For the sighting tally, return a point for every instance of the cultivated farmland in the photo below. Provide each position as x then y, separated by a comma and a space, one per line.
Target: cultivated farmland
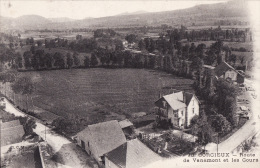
101, 93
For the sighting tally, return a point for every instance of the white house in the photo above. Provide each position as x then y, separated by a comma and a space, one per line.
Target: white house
178, 108
226, 71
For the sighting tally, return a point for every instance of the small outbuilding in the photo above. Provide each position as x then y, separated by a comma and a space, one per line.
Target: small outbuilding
127, 127
11, 132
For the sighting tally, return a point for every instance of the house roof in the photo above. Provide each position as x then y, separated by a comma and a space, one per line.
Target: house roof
10, 124
208, 66
188, 97
106, 136
173, 102
118, 155
125, 123
178, 99
223, 67
132, 154
12, 135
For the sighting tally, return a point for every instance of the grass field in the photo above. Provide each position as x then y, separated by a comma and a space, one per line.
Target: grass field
69, 36
93, 93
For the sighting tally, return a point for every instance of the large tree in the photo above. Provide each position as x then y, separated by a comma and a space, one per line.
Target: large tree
69, 60
131, 38
25, 86
76, 59
201, 128
48, 60
27, 59
197, 65
28, 124
19, 60
59, 60
220, 124
93, 60
226, 100
86, 62
141, 45
7, 77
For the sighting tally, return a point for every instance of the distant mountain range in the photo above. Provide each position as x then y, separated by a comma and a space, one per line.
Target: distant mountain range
61, 19
132, 13
206, 14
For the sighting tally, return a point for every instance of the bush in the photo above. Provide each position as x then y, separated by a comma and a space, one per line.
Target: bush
141, 123
69, 125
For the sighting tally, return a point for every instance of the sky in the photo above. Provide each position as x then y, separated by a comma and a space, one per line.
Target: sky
83, 9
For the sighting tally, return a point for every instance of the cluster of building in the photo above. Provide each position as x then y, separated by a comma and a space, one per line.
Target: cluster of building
11, 132
222, 70
106, 142
180, 107
16, 150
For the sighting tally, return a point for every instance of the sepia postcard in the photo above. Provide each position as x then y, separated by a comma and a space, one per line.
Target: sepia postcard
129, 84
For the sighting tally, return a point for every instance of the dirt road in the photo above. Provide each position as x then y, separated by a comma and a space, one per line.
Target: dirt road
67, 154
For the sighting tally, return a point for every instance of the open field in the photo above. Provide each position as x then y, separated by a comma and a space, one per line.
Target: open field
67, 35
101, 93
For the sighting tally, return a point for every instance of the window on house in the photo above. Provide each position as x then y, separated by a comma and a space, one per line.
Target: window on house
181, 113
192, 110
175, 114
164, 103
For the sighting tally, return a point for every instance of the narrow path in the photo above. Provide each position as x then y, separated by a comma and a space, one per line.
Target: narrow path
68, 153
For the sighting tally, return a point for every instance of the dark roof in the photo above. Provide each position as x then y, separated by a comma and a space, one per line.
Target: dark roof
10, 124
12, 135
132, 154
223, 67
188, 97
106, 136
118, 155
